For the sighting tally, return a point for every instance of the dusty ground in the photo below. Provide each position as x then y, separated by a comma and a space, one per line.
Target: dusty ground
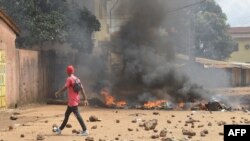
39, 120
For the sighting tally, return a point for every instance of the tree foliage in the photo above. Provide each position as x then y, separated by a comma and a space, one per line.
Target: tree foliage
212, 39
52, 21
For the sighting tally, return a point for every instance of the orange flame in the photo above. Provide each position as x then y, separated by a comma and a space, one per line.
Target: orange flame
110, 100
154, 104
121, 103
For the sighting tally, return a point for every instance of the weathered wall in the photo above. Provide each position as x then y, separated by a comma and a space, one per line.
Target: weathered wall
27, 72
34, 76
8, 37
236, 72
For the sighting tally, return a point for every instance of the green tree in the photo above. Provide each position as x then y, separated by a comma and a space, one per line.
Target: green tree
211, 36
43, 21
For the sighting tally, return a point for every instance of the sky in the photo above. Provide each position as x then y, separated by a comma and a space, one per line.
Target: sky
237, 11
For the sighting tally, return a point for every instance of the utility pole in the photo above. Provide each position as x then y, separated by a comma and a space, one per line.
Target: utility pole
110, 15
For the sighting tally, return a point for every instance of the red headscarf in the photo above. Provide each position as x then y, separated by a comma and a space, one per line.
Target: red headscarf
70, 69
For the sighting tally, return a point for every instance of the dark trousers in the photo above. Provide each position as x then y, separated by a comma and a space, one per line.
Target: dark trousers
73, 109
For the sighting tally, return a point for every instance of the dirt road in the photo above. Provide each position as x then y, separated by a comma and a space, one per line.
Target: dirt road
39, 120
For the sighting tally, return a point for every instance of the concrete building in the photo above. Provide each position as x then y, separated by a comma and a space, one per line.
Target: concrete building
8, 33
239, 73
242, 49
25, 75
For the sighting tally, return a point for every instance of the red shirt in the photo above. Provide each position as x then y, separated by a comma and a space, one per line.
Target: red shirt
73, 97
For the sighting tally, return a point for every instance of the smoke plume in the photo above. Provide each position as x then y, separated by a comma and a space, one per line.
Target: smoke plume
147, 44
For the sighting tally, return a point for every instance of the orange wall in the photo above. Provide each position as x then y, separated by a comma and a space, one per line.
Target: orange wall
8, 37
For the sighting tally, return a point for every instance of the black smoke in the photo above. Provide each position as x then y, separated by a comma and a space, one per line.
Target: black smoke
147, 44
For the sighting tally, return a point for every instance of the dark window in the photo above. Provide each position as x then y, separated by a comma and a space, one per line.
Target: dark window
243, 77
236, 47
247, 46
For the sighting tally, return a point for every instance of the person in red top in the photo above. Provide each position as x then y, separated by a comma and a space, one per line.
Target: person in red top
73, 101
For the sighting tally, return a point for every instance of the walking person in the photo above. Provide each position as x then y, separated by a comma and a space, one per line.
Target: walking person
74, 87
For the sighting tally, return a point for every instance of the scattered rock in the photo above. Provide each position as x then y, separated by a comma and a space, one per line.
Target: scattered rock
40, 137
168, 121
16, 113
202, 134
205, 131
134, 120
94, 119
46, 121
22, 135
167, 139
76, 131
156, 113
117, 121
155, 130
200, 126
188, 132
155, 136
89, 139
141, 124
11, 128
222, 134
94, 127
13, 117
68, 125
209, 124
189, 121
172, 115
151, 124
102, 140
116, 138
130, 129
220, 123
247, 121
163, 133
